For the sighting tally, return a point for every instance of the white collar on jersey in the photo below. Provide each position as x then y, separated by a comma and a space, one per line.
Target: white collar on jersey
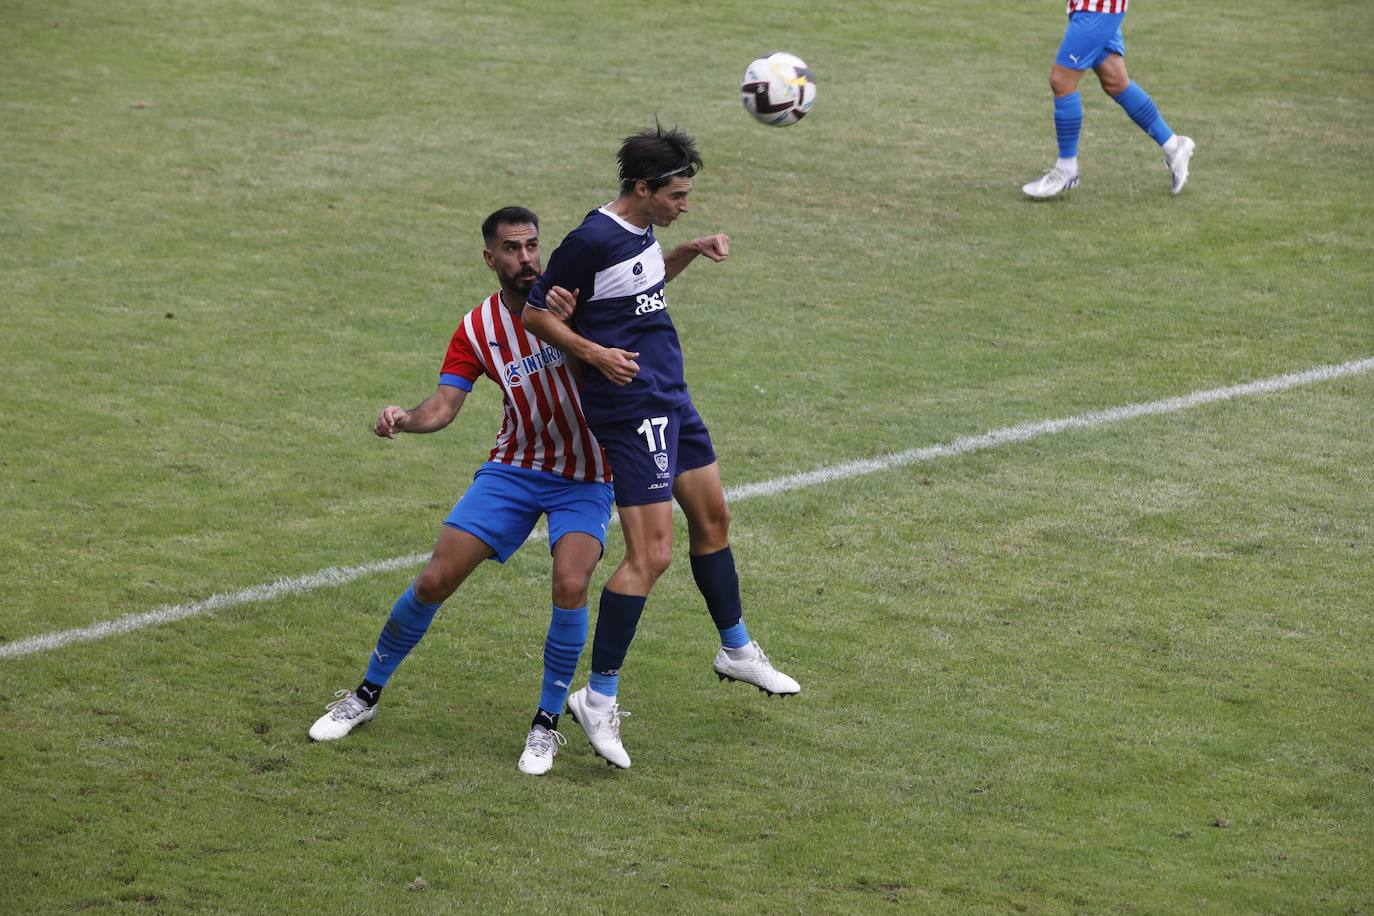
628, 227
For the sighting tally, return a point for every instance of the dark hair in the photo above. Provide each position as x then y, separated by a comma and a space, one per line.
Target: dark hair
506, 216
657, 157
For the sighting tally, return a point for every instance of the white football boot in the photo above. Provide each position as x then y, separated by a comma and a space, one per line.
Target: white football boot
541, 746
345, 713
602, 727
1178, 162
1053, 182
755, 669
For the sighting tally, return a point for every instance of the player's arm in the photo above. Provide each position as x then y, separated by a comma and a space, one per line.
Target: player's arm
617, 365
715, 247
562, 304
433, 413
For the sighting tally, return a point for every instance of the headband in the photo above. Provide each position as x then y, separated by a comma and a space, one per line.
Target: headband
682, 168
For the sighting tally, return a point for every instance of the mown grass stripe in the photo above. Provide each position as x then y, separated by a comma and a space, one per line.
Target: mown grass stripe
336, 576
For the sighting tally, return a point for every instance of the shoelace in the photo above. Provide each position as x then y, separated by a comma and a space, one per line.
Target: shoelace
542, 743
614, 723
341, 708
757, 657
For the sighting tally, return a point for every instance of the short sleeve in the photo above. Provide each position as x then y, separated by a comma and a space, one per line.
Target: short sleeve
569, 267
461, 365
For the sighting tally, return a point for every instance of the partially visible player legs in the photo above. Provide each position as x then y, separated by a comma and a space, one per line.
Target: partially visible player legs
575, 555
648, 533
1068, 126
456, 555
699, 493
1141, 109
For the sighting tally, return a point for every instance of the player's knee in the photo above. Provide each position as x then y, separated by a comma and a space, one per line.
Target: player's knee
570, 588
652, 563
1114, 86
722, 519
1060, 84
712, 527
434, 584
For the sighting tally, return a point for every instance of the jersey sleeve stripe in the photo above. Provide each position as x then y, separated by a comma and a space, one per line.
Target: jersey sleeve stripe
455, 381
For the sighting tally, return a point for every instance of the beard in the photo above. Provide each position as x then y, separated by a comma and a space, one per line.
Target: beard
521, 283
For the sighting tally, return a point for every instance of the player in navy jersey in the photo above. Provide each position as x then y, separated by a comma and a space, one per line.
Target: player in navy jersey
1093, 41
610, 271
546, 462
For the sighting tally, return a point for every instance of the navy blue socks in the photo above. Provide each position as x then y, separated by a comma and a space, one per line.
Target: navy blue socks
616, 619
719, 584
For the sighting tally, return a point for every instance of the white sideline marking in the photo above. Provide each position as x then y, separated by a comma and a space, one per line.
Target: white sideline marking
335, 576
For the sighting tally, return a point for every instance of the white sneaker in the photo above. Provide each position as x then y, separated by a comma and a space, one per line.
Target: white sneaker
345, 713
1051, 183
755, 669
541, 746
1178, 162
602, 727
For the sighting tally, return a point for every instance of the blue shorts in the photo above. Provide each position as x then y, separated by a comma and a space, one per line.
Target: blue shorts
1089, 38
647, 453
504, 502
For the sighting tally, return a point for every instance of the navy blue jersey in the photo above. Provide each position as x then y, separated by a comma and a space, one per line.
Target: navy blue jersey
618, 272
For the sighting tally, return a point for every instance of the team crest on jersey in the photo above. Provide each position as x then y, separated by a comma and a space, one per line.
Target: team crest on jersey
516, 370
661, 459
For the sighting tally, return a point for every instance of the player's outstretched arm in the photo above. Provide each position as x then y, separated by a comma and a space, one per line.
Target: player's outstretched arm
715, 247
433, 413
617, 365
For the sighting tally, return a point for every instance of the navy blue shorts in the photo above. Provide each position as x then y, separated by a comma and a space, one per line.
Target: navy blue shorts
647, 453
1089, 38
504, 502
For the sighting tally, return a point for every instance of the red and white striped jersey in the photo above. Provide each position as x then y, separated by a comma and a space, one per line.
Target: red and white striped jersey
543, 428
1097, 6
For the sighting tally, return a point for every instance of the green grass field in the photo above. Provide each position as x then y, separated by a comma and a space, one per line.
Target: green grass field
1124, 669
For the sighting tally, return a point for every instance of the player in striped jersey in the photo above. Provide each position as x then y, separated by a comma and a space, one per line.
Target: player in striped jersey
658, 445
1093, 41
545, 462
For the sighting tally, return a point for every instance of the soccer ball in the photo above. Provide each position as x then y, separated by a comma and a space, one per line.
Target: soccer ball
778, 89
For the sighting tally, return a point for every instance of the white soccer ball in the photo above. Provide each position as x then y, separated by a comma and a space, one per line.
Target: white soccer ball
778, 89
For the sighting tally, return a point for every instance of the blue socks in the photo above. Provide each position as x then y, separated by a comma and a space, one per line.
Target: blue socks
1068, 123
409, 620
616, 619
719, 585
562, 648
1137, 103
